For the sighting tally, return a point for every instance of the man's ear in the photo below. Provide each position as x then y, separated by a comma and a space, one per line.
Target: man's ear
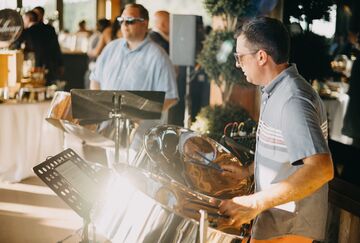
262, 57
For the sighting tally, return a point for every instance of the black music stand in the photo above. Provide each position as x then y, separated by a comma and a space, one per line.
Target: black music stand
74, 181
93, 106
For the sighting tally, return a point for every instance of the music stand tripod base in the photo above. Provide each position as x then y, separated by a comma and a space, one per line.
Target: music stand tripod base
74, 181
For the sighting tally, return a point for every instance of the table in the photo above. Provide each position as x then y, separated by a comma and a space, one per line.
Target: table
26, 139
336, 109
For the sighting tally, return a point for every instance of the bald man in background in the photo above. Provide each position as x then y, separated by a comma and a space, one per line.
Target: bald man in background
160, 32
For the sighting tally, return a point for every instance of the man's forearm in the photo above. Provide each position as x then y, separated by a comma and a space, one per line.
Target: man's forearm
316, 171
168, 103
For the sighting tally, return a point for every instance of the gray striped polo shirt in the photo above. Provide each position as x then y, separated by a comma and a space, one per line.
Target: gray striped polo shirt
292, 126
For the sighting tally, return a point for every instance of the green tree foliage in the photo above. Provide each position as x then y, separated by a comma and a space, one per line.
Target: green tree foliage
218, 61
224, 7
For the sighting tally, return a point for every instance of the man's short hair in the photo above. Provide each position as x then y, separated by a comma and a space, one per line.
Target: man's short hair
269, 35
40, 11
33, 17
142, 10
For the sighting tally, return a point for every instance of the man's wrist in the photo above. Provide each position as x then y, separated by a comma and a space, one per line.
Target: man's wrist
259, 203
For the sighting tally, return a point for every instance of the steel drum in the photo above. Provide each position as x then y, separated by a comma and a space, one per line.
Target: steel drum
60, 115
161, 144
138, 206
195, 161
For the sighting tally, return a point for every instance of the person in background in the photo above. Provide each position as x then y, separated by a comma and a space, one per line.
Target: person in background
40, 43
351, 126
30, 18
83, 31
101, 25
293, 164
116, 29
160, 32
96, 45
51, 55
134, 62
108, 32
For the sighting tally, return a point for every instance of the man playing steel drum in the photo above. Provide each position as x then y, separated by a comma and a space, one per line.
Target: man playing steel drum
292, 164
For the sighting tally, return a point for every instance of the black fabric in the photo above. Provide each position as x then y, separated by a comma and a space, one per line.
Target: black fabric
42, 40
158, 39
351, 126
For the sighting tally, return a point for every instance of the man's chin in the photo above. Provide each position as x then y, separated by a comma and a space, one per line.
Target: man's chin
249, 80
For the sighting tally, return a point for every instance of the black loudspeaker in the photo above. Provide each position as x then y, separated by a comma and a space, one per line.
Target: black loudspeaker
186, 34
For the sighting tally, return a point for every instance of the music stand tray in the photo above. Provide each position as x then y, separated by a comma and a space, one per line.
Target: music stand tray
97, 104
73, 180
120, 106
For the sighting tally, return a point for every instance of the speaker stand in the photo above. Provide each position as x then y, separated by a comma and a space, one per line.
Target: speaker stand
190, 76
187, 114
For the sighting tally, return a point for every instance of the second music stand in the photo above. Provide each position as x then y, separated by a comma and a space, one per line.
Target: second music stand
92, 106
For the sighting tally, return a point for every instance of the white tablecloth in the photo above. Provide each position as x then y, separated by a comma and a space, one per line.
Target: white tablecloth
336, 109
26, 139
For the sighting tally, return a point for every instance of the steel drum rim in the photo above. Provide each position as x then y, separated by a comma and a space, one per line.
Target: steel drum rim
63, 120
152, 176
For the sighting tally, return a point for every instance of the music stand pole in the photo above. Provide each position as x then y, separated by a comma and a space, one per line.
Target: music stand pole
85, 234
116, 115
128, 128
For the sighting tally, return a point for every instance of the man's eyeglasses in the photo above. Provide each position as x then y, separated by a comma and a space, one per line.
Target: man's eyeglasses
129, 20
238, 57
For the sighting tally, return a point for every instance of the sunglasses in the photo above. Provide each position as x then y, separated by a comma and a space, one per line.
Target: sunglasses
238, 57
129, 20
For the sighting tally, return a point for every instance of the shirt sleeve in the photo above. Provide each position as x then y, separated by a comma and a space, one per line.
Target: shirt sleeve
302, 129
97, 73
166, 78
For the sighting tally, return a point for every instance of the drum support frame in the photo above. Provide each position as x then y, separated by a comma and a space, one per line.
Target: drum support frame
120, 123
59, 173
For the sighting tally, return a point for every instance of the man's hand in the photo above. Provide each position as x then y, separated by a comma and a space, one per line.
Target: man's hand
168, 103
241, 210
94, 85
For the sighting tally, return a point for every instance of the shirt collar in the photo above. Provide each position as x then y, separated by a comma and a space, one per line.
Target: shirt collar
139, 47
271, 87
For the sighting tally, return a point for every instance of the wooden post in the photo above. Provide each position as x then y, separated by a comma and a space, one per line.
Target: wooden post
115, 8
60, 9
349, 229
4, 70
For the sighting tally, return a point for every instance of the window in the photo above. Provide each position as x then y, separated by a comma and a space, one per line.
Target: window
78, 10
8, 4
49, 6
51, 14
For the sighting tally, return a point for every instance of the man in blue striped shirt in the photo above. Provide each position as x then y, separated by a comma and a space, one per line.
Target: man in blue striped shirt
292, 163
135, 62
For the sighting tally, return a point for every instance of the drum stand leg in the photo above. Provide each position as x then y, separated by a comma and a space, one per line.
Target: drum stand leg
204, 224
84, 235
69, 236
121, 123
